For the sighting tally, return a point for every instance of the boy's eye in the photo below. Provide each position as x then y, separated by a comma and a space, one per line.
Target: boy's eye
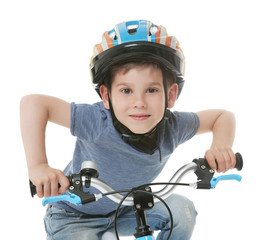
152, 90
126, 91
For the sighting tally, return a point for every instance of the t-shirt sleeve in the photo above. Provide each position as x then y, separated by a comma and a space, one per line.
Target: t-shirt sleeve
188, 126
182, 127
87, 120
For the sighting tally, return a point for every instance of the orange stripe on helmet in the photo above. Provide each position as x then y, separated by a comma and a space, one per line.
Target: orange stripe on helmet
168, 41
108, 39
158, 34
99, 48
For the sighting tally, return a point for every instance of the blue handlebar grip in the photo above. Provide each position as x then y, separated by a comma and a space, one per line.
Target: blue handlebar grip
72, 198
214, 180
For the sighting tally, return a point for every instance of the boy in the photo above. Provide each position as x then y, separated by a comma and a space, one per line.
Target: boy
138, 72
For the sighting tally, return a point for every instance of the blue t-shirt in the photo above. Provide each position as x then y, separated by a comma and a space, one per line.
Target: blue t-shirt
119, 164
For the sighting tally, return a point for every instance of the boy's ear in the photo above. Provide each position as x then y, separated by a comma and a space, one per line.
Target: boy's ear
104, 96
172, 95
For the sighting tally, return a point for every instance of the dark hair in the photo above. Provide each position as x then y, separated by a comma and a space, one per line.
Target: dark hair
127, 66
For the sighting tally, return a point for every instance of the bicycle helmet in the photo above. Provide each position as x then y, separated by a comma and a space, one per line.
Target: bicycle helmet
136, 41
133, 41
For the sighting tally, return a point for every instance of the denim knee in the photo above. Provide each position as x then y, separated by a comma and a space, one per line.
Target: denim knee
63, 225
184, 215
184, 218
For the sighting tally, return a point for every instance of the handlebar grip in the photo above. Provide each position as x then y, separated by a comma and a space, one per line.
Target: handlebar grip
33, 188
238, 165
239, 161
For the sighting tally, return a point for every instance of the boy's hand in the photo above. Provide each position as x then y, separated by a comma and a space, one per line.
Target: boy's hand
221, 159
221, 123
47, 180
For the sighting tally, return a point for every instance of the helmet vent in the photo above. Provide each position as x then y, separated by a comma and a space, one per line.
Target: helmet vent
132, 29
112, 35
153, 30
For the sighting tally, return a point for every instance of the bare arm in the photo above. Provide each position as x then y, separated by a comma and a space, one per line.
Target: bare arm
35, 112
222, 124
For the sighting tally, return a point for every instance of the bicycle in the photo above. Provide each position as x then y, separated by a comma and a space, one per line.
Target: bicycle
141, 198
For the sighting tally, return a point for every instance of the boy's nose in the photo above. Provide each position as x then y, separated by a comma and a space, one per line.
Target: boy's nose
139, 101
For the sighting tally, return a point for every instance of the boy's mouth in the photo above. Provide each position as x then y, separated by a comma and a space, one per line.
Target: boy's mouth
139, 117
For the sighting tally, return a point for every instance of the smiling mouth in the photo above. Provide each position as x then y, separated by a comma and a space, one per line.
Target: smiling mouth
140, 117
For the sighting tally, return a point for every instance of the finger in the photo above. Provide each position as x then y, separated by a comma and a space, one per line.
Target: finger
47, 189
39, 190
64, 183
54, 188
227, 160
233, 158
211, 160
221, 160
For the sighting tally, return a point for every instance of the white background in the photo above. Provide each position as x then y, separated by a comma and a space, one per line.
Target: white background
45, 47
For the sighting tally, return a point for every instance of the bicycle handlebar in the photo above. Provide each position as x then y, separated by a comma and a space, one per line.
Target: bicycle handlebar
88, 177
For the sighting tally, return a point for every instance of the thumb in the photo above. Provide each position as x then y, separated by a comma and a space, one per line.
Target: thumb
64, 183
210, 157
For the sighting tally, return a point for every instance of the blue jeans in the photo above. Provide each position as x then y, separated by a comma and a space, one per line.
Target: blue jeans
62, 225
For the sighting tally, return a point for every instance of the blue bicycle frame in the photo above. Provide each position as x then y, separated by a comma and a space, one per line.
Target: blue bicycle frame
146, 238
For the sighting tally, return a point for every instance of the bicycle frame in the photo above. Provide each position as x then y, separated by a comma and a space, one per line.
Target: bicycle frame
146, 238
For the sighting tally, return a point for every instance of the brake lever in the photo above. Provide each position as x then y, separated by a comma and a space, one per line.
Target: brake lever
75, 195
205, 174
215, 180
70, 197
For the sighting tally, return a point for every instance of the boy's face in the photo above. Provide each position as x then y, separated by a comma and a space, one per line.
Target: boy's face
138, 98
